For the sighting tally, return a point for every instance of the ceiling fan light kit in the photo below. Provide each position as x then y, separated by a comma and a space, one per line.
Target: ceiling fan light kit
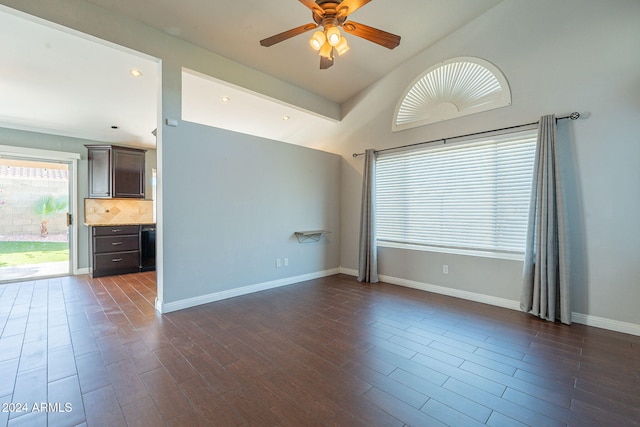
342, 46
333, 36
317, 40
326, 50
331, 15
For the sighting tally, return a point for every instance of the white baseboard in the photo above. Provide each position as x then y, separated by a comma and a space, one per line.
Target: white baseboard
349, 271
583, 319
217, 296
80, 271
457, 293
442, 290
604, 323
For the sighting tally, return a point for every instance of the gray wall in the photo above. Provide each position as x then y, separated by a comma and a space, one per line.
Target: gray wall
558, 57
231, 204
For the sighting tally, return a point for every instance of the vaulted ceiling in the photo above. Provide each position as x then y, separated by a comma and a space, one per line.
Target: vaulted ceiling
83, 95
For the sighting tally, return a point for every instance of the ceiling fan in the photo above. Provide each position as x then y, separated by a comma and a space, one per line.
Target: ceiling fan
332, 15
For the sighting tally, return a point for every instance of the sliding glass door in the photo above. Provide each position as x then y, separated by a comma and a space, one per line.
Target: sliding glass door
35, 201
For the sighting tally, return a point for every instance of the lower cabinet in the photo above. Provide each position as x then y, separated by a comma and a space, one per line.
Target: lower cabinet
115, 250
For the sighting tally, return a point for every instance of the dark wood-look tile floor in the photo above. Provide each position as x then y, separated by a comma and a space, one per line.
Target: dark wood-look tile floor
326, 352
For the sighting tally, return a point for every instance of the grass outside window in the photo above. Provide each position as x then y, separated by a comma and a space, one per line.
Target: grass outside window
19, 253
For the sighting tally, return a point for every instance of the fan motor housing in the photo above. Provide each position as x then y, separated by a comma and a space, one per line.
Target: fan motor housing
330, 13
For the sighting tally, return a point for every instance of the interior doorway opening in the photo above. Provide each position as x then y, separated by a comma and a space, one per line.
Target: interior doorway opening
35, 218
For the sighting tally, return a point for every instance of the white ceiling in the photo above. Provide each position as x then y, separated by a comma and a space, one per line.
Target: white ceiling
54, 80
248, 112
58, 81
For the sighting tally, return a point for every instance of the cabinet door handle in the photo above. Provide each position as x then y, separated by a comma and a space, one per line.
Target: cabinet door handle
116, 260
115, 230
116, 243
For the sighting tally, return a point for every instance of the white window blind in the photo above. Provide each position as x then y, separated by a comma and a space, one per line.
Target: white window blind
470, 195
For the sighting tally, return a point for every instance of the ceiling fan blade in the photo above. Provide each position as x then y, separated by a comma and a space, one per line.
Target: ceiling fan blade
270, 41
325, 62
349, 6
375, 35
313, 6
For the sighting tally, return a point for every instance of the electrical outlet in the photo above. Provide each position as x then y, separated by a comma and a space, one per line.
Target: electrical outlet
278, 263
445, 269
286, 262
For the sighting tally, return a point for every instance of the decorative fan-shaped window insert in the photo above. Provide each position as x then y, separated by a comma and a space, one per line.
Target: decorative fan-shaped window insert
453, 88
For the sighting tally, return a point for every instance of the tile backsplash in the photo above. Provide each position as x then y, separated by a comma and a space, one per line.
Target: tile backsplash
118, 211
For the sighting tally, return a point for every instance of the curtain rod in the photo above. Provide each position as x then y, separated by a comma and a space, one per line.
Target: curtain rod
572, 116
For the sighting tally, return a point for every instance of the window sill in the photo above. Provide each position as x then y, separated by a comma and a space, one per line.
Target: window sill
455, 251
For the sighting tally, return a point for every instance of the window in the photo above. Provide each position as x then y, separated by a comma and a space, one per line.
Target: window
462, 197
453, 88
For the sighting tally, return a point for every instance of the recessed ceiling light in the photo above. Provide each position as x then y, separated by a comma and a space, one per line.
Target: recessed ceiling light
135, 72
225, 99
285, 118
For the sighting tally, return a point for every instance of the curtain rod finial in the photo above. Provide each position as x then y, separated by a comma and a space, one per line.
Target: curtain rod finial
574, 116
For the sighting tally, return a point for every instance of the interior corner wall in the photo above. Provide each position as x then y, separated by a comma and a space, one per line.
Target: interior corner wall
559, 57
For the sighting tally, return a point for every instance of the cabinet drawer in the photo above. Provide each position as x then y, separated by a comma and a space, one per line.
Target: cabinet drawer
115, 230
119, 260
102, 244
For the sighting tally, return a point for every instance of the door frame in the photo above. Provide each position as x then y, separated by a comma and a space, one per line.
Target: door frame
56, 156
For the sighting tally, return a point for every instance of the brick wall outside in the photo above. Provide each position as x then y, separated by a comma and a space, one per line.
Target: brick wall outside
20, 189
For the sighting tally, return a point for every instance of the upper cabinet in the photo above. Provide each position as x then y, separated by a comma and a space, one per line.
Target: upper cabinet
116, 172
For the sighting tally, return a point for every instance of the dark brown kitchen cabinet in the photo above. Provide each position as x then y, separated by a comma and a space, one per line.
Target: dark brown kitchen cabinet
115, 250
116, 171
99, 172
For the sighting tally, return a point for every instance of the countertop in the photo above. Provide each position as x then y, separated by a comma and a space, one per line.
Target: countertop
118, 225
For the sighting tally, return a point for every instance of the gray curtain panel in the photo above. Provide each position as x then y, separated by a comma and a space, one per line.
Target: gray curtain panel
545, 281
368, 259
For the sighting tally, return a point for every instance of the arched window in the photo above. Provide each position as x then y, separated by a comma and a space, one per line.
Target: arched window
453, 88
